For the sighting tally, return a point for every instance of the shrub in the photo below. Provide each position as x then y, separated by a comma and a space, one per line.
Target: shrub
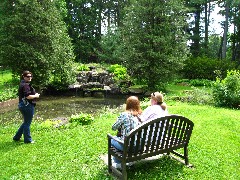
8, 91
49, 124
119, 72
82, 119
201, 82
226, 92
198, 96
82, 67
194, 82
203, 68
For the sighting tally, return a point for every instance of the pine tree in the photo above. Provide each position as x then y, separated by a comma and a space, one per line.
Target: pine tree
154, 43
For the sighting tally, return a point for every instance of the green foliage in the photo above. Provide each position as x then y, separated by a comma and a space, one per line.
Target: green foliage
153, 49
226, 92
198, 96
49, 124
84, 27
8, 86
82, 119
109, 45
194, 82
82, 67
8, 93
201, 82
204, 68
112, 68
120, 72
34, 37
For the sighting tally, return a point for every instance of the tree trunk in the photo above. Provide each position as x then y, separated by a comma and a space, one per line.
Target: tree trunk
207, 7
196, 31
224, 47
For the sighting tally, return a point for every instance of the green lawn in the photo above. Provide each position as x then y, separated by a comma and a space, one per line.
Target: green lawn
75, 153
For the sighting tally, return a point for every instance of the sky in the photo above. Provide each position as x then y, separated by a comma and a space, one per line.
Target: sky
215, 26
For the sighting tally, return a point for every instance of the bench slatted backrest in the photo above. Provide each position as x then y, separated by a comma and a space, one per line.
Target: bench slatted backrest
165, 133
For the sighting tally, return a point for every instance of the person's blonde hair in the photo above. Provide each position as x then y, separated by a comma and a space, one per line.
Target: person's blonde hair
157, 96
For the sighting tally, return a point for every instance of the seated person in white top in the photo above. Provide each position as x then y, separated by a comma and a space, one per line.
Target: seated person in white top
157, 109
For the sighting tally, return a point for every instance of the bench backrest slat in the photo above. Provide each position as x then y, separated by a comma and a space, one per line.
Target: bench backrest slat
174, 134
155, 134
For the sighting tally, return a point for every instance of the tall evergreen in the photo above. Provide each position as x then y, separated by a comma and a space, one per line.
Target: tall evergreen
34, 37
154, 42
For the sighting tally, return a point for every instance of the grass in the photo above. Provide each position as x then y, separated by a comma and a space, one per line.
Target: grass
74, 153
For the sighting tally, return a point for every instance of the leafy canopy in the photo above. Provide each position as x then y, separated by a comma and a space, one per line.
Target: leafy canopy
34, 37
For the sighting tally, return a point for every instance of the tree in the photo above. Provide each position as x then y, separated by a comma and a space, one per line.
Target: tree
86, 20
224, 46
34, 37
84, 27
195, 10
154, 41
235, 36
110, 45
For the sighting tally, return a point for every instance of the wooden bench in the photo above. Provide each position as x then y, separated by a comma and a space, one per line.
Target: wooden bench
159, 136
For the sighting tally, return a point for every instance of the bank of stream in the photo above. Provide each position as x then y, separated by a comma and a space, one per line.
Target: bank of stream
62, 107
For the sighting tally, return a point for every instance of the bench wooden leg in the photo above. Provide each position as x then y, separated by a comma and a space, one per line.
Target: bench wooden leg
124, 171
186, 155
109, 163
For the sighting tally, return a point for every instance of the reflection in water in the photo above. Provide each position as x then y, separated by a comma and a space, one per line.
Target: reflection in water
53, 107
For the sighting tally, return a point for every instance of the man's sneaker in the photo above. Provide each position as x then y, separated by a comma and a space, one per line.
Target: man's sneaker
16, 140
31, 142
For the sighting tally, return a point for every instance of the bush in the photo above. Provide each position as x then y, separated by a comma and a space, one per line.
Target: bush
8, 91
120, 72
198, 96
82, 119
226, 92
194, 82
203, 68
82, 67
8, 94
49, 124
201, 82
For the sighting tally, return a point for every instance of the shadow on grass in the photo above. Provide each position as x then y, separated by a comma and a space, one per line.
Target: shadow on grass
10, 145
163, 168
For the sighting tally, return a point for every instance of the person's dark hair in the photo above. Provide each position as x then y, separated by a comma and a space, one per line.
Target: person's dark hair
25, 73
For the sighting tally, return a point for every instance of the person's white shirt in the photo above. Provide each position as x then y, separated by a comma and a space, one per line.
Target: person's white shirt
153, 112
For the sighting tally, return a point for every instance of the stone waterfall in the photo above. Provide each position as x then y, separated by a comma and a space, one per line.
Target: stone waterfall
91, 82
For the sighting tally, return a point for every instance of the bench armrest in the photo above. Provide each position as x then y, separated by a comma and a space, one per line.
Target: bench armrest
115, 138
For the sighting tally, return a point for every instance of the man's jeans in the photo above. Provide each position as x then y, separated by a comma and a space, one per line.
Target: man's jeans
27, 112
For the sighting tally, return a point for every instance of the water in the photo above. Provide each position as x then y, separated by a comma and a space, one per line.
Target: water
55, 107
